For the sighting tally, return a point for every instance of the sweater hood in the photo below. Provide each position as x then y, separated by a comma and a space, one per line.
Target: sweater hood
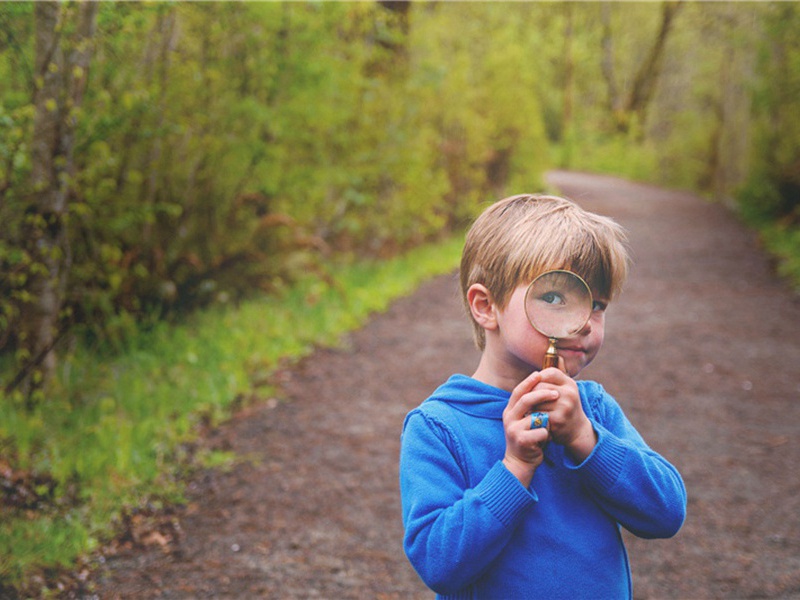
472, 397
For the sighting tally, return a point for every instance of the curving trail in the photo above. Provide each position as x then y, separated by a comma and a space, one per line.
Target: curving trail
702, 351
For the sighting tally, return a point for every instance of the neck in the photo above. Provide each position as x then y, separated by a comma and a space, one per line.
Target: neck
502, 375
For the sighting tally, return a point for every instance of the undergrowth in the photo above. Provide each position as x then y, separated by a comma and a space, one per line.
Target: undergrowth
114, 433
776, 217
782, 241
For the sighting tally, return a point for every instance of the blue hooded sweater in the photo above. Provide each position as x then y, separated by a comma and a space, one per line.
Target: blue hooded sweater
473, 531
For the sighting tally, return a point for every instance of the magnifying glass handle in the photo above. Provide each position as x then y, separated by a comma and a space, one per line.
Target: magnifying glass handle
551, 356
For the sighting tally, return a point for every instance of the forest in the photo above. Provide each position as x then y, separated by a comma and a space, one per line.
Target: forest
162, 161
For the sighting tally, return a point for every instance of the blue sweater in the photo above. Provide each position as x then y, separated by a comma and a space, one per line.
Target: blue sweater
473, 531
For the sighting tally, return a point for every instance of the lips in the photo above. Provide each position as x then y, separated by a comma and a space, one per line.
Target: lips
573, 349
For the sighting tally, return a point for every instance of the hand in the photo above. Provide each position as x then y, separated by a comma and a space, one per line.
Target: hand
525, 446
569, 425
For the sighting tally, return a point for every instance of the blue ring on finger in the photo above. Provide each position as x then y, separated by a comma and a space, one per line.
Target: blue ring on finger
539, 420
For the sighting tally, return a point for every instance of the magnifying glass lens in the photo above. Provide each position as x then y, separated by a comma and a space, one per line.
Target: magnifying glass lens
558, 303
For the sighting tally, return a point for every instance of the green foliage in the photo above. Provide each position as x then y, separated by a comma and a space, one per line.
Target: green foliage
223, 148
783, 241
770, 197
773, 187
760, 201
115, 433
483, 89
618, 155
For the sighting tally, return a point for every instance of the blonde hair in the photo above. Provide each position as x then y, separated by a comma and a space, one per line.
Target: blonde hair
520, 237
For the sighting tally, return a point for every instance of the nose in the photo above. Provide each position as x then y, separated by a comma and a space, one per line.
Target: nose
586, 329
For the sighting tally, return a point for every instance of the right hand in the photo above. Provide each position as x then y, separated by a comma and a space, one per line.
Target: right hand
525, 446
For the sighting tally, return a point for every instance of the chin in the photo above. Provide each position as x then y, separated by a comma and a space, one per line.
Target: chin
573, 370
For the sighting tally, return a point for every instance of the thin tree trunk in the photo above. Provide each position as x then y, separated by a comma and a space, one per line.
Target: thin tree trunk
624, 107
646, 78
60, 82
567, 124
607, 63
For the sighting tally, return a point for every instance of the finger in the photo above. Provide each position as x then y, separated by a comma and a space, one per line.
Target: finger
554, 376
529, 441
523, 387
562, 366
538, 400
535, 440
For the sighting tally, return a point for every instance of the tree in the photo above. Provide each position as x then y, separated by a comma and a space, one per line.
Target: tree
634, 103
63, 52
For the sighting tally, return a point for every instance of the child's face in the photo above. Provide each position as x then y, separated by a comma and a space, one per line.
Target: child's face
524, 347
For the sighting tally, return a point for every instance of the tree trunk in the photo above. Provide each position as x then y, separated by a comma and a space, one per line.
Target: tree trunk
607, 63
624, 107
60, 81
567, 122
646, 78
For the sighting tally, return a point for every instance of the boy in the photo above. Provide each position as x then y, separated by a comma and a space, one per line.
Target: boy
515, 481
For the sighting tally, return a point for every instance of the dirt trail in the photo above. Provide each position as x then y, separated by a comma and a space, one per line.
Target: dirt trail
702, 351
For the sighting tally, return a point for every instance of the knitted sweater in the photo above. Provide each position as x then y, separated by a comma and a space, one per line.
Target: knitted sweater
473, 531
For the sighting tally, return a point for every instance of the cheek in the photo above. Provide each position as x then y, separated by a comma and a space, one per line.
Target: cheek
524, 334
515, 317
598, 332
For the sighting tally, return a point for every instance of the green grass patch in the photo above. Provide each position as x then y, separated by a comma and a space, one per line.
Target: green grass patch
115, 432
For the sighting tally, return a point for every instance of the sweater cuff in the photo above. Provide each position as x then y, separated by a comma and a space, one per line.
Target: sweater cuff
504, 495
604, 464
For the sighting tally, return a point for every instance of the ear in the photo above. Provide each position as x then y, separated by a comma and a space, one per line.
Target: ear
482, 306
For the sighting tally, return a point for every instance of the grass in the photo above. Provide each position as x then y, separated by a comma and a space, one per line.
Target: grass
114, 432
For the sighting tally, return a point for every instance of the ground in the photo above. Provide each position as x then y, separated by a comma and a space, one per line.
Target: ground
701, 351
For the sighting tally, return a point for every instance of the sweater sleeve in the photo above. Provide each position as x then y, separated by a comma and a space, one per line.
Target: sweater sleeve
452, 533
630, 481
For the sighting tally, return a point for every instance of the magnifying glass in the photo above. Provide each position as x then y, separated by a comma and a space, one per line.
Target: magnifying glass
558, 304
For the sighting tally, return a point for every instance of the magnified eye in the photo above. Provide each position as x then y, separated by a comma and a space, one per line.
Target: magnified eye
559, 303
552, 298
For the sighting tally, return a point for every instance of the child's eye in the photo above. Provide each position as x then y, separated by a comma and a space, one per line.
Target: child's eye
598, 306
552, 298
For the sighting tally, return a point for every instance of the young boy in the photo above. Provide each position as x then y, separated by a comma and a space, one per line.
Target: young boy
515, 481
